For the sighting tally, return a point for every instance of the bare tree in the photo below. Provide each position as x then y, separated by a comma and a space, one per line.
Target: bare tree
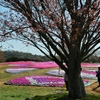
65, 29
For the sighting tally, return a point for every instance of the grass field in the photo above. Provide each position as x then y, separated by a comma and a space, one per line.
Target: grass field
11, 92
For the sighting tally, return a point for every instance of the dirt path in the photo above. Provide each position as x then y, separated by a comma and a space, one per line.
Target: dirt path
93, 88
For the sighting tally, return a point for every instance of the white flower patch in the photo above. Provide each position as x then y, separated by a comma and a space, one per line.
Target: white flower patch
84, 74
18, 70
32, 81
45, 81
88, 74
55, 72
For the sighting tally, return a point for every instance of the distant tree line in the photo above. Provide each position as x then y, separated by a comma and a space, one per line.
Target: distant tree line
93, 59
22, 56
10, 55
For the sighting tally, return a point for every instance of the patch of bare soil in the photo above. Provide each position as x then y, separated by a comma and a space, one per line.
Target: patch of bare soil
1, 83
93, 88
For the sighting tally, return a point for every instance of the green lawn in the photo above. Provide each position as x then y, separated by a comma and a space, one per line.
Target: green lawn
11, 92
62, 96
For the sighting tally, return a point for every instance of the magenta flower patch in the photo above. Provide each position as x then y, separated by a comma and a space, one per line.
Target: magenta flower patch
37, 81
90, 64
18, 81
40, 81
48, 64
31, 64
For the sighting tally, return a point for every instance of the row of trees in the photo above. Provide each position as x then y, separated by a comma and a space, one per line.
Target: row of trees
20, 56
68, 30
93, 59
6, 56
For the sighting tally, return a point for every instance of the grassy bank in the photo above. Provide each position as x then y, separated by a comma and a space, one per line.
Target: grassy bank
11, 92
62, 96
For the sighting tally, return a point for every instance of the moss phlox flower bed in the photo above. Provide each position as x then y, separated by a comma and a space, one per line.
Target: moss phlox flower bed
40, 81
32, 64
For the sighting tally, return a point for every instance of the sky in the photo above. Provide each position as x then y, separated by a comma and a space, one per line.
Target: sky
19, 46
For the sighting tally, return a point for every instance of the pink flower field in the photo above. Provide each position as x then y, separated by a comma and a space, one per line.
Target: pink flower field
37, 81
49, 64
40, 81
22, 66
90, 64
31, 64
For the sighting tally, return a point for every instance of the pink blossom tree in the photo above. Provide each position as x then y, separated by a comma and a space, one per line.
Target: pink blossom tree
68, 30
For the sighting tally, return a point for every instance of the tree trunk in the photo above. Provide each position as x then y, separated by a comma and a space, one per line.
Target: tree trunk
75, 83
76, 88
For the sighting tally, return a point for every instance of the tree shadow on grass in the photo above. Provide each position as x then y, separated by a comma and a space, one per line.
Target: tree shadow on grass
47, 97
57, 96
62, 96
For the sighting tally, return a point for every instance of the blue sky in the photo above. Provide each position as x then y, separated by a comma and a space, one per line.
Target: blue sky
19, 46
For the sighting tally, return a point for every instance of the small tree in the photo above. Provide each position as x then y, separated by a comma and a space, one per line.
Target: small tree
65, 29
2, 58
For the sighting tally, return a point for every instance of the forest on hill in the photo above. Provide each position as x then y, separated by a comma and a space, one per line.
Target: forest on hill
10, 55
22, 56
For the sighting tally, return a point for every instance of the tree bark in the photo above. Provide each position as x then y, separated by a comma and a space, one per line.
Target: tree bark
76, 85
76, 88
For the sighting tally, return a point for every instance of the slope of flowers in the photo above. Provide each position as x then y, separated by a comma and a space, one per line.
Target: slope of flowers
21, 66
49, 64
31, 64
40, 81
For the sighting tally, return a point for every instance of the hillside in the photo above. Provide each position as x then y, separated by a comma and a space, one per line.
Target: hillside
23, 56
